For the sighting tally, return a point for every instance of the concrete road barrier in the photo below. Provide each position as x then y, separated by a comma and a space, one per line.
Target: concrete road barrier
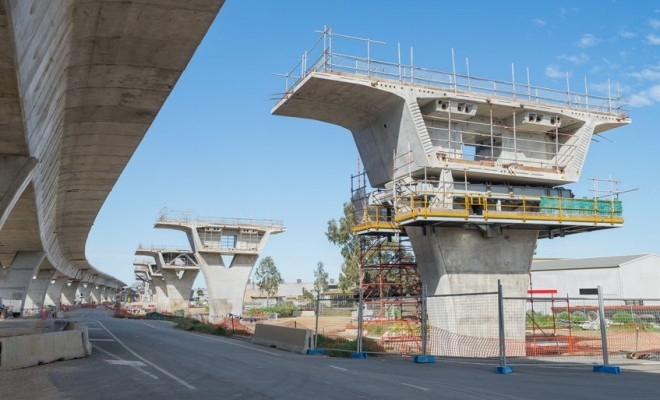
295, 340
39, 348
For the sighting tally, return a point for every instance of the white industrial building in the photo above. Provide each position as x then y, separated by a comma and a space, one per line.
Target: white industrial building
624, 277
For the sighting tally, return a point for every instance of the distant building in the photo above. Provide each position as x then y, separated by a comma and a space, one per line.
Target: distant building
630, 277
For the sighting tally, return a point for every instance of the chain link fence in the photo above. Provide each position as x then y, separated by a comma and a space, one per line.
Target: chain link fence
513, 330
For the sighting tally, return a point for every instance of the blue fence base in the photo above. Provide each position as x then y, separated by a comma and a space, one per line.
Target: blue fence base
424, 359
315, 352
503, 369
358, 355
607, 369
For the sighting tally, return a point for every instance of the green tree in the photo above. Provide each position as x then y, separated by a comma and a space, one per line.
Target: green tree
320, 279
341, 234
268, 277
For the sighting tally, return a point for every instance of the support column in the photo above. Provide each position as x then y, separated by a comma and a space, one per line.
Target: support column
15, 280
54, 291
69, 293
464, 260
95, 294
85, 291
226, 286
36, 293
179, 284
241, 239
160, 297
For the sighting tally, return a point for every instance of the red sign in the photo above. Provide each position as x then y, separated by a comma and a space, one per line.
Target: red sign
542, 291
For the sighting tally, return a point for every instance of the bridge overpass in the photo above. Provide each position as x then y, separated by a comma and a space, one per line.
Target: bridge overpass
80, 84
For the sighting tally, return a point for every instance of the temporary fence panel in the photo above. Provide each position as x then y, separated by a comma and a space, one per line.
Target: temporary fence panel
569, 329
463, 325
389, 325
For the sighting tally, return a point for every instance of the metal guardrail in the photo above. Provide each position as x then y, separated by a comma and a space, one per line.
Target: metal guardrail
549, 209
324, 56
187, 217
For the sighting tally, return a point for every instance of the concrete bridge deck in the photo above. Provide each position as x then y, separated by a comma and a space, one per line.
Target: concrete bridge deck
80, 84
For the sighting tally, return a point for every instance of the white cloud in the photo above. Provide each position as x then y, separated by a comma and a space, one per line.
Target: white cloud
576, 58
552, 71
587, 40
655, 23
647, 74
653, 39
538, 22
646, 97
627, 34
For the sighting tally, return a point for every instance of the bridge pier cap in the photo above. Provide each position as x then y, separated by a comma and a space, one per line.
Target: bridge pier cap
227, 249
469, 168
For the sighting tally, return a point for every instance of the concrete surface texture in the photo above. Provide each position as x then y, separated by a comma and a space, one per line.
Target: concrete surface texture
80, 83
435, 148
239, 240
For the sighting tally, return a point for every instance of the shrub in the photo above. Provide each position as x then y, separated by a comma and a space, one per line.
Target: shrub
340, 347
623, 317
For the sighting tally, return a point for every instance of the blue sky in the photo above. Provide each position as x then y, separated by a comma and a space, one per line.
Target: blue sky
215, 150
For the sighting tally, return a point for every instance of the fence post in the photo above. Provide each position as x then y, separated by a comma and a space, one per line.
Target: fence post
358, 353
314, 350
502, 368
316, 327
423, 358
606, 367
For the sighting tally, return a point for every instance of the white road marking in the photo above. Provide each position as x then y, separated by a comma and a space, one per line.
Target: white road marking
414, 386
151, 326
127, 362
339, 368
172, 376
132, 364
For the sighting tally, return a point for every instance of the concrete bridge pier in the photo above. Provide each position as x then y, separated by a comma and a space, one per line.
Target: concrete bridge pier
36, 293
173, 273
84, 293
54, 291
15, 280
210, 239
226, 285
95, 294
160, 294
460, 260
179, 283
68, 297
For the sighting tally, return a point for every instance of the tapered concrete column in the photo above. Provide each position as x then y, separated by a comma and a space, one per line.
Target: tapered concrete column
54, 291
95, 294
36, 293
240, 239
226, 285
160, 294
69, 293
461, 260
15, 280
85, 293
179, 284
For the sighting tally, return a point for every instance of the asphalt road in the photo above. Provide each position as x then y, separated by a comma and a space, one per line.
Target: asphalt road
135, 359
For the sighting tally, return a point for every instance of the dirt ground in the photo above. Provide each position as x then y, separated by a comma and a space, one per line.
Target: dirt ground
327, 325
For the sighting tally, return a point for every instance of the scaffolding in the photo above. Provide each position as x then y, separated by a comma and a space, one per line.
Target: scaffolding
390, 285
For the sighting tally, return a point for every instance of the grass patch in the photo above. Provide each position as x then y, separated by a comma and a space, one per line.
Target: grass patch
193, 325
340, 347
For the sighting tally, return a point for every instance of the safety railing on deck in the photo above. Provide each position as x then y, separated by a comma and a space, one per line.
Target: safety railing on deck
478, 206
336, 54
187, 217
